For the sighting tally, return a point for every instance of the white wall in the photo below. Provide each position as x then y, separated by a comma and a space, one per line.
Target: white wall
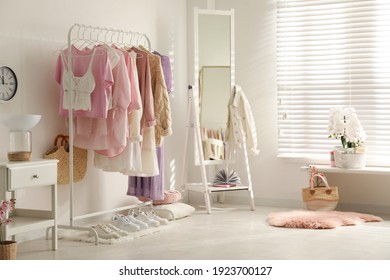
31, 35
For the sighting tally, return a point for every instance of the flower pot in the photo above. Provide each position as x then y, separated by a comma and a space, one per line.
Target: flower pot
8, 250
350, 158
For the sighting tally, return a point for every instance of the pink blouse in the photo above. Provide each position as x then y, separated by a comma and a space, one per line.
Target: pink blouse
102, 73
135, 104
144, 79
108, 136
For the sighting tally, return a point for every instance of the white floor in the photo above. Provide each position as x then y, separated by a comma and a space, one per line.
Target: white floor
229, 233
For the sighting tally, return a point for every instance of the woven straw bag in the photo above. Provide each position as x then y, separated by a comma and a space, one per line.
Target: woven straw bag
60, 151
320, 198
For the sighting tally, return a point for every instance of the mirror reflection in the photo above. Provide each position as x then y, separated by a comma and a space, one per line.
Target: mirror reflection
214, 96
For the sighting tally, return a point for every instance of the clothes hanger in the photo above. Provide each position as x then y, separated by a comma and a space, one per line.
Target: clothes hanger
80, 37
83, 41
132, 47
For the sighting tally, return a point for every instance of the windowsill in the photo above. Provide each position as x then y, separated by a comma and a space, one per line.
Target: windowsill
375, 170
324, 161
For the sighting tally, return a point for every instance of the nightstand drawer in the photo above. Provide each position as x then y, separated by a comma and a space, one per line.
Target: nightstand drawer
31, 176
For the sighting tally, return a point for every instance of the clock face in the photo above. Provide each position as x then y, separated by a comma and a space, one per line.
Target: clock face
8, 84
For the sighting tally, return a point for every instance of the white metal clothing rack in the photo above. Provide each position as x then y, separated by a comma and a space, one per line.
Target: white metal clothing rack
88, 34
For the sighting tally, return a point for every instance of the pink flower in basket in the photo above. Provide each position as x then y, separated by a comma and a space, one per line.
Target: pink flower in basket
6, 207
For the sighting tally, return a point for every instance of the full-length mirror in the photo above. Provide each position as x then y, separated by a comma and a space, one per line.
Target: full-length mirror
214, 75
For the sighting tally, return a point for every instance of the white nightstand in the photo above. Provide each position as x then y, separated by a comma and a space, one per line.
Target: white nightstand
24, 175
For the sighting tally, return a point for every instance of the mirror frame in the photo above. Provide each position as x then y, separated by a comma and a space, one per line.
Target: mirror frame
195, 87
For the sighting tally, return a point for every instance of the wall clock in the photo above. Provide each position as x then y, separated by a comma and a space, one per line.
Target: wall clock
8, 84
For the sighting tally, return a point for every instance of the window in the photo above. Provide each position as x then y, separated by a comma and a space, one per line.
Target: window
332, 53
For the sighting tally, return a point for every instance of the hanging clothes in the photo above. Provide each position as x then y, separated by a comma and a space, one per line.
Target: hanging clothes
129, 161
117, 119
145, 87
162, 105
153, 187
149, 187
166, 66
148, 120
241, 124
108, 136
124, 113
82, 89
85, 62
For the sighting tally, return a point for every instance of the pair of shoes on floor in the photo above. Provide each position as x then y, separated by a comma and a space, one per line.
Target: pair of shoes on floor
108, 231
127, 223
141, 223
153, 215
150, 218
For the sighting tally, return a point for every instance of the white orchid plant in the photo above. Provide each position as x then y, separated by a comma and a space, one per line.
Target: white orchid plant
345, 125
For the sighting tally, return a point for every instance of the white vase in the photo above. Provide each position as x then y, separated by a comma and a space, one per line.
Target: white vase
350, 158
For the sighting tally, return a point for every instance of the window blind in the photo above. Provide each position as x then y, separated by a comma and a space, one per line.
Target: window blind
332, 53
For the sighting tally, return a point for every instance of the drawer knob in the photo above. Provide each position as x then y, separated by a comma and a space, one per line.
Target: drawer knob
35, 176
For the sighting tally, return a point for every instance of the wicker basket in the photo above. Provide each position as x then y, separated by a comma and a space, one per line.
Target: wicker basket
60, 151
8, 250
350, 158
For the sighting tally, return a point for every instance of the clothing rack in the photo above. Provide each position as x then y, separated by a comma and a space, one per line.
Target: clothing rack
96, 35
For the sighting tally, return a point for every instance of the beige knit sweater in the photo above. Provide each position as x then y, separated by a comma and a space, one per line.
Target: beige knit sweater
162, 105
